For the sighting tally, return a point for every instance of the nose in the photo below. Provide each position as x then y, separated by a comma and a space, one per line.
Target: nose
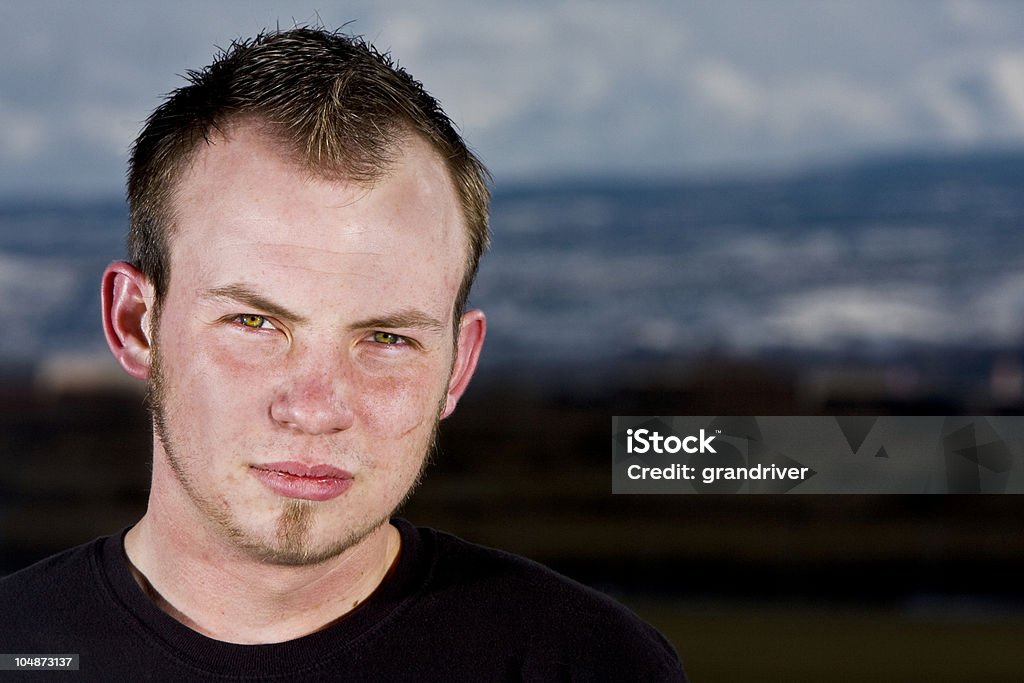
313, 405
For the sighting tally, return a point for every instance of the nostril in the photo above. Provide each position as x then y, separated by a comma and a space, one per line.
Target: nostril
311, 412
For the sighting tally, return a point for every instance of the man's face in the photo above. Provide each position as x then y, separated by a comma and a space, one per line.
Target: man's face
304, 346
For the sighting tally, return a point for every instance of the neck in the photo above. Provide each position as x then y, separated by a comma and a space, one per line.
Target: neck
200, 578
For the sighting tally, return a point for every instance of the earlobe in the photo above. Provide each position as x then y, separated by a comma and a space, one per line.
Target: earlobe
127, 311
472, 331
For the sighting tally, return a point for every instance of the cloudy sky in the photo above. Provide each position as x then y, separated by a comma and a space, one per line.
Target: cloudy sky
544, 89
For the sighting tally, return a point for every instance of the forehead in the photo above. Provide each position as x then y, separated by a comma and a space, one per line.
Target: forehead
244, 204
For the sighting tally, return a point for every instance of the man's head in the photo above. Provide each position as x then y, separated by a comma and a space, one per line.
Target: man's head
341, 108
305, 227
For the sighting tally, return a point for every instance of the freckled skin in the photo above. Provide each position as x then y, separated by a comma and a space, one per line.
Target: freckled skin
319, 391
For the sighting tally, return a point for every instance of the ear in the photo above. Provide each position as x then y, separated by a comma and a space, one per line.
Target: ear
127, 311
472, 331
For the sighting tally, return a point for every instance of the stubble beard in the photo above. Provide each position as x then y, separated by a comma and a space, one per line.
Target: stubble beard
291, 543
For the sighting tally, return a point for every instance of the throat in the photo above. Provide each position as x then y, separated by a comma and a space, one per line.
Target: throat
279, 603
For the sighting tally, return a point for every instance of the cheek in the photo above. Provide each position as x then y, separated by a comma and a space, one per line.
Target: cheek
395, 406
211, 389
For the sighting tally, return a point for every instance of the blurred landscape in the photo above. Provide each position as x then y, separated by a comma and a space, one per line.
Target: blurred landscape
892, 286
782, 207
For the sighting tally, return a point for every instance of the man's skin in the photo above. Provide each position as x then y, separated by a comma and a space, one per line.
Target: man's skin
308, 322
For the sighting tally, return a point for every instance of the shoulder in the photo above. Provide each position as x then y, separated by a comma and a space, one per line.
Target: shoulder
525, 602
51, 577
40, 600
470, 567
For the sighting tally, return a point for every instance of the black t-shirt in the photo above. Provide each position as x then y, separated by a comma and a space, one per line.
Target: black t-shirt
448, 611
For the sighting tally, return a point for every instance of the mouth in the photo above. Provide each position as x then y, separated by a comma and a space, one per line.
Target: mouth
307, 482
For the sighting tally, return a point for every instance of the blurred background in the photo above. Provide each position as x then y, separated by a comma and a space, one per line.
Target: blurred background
701, 208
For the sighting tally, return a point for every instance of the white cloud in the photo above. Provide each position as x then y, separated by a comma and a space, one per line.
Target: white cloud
22, 136
1008, 77
834, 316
728, 92
832, 103
566, 86
982, 17
108, 128
945, 106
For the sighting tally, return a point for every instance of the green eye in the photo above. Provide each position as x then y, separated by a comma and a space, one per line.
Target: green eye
386, 338
252, 320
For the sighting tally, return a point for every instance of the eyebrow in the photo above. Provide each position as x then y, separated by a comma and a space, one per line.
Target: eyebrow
248, 296
409, 318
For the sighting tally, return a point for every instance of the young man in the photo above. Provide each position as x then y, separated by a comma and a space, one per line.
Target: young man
305, 228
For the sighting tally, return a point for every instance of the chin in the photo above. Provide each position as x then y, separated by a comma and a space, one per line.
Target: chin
298, 540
